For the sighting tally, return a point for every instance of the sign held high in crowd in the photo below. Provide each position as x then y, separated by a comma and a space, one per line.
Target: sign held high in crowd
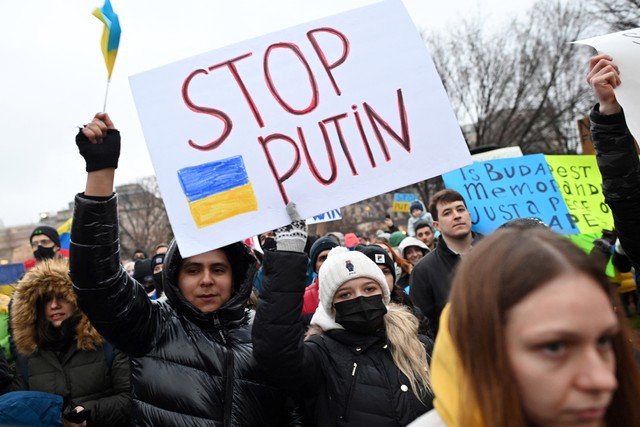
324, 114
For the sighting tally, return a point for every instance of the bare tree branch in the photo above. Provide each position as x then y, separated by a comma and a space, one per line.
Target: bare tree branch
522, 85
142, 216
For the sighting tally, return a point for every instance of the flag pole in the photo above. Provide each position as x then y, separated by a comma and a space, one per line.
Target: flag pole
106, 94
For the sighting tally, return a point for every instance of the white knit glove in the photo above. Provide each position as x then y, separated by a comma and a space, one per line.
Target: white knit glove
292, 237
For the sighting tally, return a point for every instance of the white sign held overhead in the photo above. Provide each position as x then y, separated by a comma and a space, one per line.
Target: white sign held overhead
624, 48
326, 113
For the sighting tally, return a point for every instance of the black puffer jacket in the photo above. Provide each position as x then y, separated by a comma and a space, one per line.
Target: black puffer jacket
346, 378
620, 168
187, 368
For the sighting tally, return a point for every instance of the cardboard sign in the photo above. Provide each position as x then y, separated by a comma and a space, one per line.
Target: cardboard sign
325, 113
624, 48
497, 191
580, 183
402, 201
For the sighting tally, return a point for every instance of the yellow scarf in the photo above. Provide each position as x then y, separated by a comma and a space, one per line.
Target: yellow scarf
447, 379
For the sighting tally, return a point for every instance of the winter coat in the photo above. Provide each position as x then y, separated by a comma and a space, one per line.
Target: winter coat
431, 282
188, 368
311, 298
411, 223
430, 419
80, 370
345, 378
31, 408
6, 374
620, 168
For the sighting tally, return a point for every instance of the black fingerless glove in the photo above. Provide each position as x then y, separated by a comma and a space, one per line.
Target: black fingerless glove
103, 155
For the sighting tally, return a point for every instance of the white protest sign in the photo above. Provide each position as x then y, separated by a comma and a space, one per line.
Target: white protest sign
325, 113
624, 48
498, 153
332, 215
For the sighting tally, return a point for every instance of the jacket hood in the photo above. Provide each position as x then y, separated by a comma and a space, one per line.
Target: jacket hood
412, 241
243, 267
46, 278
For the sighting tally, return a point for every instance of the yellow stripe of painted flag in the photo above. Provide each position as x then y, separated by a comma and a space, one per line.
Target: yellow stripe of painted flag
220, 206
217, 190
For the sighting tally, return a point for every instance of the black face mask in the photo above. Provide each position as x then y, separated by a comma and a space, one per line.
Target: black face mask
362, 315
269, 244
148, 283
43, 253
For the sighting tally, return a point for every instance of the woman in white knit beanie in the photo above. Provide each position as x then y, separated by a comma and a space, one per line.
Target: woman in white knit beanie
362, 362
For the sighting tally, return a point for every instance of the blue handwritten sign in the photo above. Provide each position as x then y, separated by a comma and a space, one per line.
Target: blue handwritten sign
500, 190
332, 215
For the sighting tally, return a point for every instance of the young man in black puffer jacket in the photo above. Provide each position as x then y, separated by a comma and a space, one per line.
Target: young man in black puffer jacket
191, 355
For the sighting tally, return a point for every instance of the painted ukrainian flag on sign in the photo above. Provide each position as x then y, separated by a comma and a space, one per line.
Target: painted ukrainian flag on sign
218, 190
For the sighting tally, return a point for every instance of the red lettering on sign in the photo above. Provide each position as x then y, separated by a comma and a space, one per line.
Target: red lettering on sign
312, 80
214, 112
325, 63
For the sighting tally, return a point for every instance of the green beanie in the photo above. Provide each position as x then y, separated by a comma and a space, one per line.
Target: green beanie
395, 238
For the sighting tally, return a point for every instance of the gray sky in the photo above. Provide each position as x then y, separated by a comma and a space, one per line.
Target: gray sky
53, 76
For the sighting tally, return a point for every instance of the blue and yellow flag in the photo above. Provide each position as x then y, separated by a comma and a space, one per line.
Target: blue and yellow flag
110, 34
217, 190
65, 237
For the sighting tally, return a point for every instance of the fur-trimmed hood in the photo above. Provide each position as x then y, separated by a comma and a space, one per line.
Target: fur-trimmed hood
46, 278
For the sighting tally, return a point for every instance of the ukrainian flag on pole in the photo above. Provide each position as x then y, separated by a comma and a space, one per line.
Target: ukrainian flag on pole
64, 231
218, 190
110, 34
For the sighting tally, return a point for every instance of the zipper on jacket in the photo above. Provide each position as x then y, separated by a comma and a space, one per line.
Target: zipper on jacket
227, 401
218, 325
352, 386
228, 387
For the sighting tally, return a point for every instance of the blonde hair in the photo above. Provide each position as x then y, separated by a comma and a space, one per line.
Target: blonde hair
408, 352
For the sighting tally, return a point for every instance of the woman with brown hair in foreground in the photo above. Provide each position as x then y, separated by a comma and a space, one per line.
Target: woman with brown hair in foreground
532, 337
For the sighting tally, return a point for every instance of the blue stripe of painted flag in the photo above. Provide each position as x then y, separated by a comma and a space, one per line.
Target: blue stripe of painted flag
211, 178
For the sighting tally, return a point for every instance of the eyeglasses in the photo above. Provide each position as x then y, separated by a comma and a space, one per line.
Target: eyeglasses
45, 243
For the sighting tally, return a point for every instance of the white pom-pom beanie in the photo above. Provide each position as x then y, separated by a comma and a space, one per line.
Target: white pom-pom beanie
343, 265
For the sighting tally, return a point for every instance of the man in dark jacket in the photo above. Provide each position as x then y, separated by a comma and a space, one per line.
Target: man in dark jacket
431, 277
616, 155
191, 355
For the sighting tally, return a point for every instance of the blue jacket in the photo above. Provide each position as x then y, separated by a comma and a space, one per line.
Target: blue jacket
30, 408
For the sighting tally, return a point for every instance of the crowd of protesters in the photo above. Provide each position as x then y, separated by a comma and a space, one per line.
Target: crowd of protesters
431, 324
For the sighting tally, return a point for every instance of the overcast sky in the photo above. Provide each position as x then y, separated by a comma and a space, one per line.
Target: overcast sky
53, 76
